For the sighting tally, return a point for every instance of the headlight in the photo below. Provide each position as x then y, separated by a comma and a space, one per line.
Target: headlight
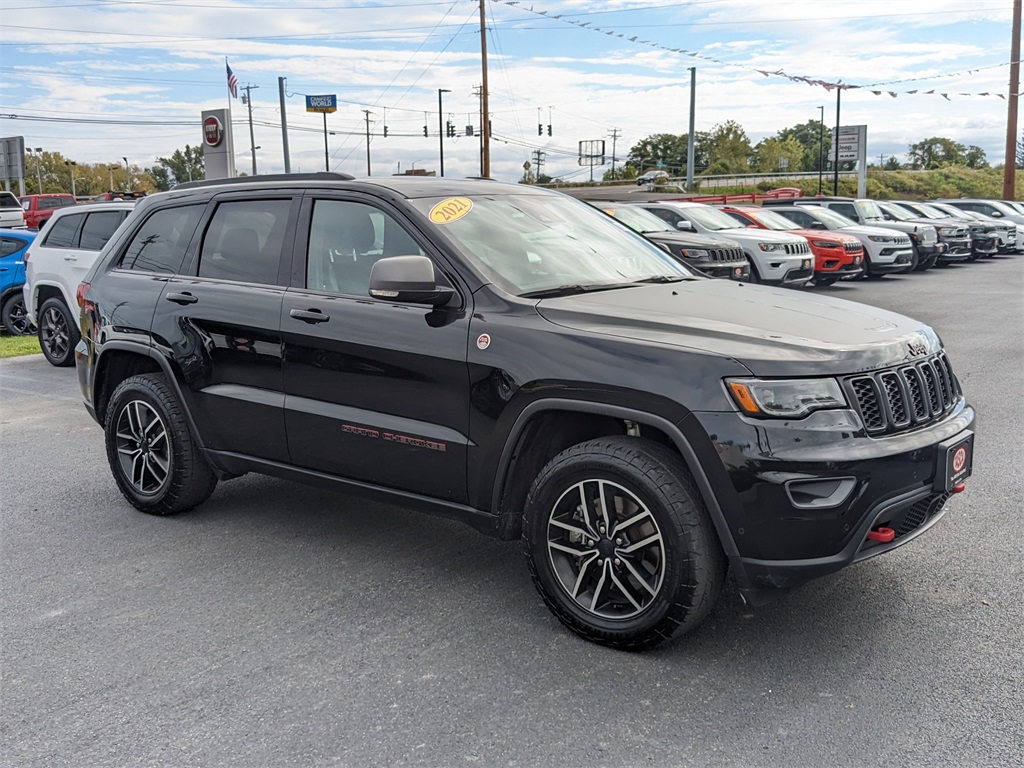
695, 253
772, 247
785, 398
824, 244
881, 239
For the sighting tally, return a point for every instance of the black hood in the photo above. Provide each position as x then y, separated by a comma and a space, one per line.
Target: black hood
772, 331
690, 239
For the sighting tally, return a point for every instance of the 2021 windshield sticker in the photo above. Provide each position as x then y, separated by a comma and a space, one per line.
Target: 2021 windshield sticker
452, 209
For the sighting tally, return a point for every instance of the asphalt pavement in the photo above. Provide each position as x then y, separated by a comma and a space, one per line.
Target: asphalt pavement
282, 625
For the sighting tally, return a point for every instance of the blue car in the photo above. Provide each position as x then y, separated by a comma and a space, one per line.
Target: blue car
13, 244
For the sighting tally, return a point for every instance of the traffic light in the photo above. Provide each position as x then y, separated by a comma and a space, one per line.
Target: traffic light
540, 129
425, 131
386, 131
549, 129
449, 129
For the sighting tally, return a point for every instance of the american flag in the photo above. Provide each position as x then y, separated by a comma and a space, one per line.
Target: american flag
232, 82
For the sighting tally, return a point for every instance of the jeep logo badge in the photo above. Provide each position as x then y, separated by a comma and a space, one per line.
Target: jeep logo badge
213, 131
917, 348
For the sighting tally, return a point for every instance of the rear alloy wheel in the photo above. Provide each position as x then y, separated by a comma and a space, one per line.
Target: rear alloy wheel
58, 333
619, 543
15, 318
155, 462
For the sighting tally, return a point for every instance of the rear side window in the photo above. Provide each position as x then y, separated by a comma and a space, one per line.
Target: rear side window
800, 218
49, 203
9, 246
244, 241
7, 200
98, 229
61, 233
847, 209
161, 242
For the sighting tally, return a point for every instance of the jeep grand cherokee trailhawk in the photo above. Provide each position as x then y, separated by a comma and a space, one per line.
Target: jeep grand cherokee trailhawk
518, 360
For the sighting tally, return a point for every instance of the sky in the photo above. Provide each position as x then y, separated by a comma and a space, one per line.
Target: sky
98, 80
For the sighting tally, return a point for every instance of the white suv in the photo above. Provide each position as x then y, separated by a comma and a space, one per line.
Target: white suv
55, 264
776, 258
12, 215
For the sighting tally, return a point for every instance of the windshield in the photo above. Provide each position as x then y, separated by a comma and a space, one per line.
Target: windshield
8, 200
896, 212
869, 210
710, 218
530, 243
773, 220
636, 218
929, 211
831, 218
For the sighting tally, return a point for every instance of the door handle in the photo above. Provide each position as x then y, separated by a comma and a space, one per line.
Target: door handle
310, 316
71, 257
181, 298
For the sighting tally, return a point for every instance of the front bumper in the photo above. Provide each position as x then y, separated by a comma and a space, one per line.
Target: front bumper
730, 270
780, 540
955, 250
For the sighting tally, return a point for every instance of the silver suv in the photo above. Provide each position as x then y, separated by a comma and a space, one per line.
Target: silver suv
12, 216
55, 264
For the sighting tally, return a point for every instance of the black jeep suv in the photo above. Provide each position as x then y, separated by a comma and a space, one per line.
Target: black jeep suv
516, 359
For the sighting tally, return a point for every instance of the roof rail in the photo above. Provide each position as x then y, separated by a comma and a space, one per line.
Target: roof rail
319, 176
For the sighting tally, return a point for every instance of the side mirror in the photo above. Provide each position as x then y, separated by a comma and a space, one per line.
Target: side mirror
408, 279
818, 225
686, 226
996, 214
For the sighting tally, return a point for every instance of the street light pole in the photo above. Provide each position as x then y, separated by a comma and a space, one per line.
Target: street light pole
128, 172
690, 154
39, 174
440, 127
71, 164
821, 145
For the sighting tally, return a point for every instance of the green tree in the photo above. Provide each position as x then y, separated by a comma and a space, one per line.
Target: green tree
728, 149
974, 157
775, 154
185, 165
666, 151
161, 176
892, 164
815, 140
936, 152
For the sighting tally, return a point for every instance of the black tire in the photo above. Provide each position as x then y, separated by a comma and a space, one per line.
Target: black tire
915, 260
754, 278
155, 462
58, 333
824, 282
640, 594
15, 318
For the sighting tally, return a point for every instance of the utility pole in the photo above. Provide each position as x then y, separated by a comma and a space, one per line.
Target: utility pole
690, 154
440, 127
485, 112
284, 126
835, 143
71, 164
247, 99
367, 113
821, 147
39, 174
538, 163
615, 138
1010, 166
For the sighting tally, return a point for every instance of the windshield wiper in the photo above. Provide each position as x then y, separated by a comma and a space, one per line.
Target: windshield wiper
573, 289
665, 279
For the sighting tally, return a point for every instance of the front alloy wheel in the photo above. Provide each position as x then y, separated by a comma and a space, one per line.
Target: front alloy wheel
58, 333
619, 543
606, 549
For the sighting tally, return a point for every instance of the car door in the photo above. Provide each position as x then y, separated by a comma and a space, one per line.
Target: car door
220, 319
375, 391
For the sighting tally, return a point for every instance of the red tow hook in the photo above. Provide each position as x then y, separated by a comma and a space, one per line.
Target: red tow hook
882, 535
958, 488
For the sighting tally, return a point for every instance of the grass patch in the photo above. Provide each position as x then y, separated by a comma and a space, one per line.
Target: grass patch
16, 346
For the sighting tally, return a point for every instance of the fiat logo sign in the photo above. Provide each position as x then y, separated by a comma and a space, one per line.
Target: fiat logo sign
213, 131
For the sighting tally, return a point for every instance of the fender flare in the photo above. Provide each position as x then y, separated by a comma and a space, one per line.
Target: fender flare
675, 434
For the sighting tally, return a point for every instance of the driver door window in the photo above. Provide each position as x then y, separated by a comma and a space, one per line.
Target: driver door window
345, 240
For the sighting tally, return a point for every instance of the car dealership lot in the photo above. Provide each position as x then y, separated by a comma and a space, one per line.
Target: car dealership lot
279, 624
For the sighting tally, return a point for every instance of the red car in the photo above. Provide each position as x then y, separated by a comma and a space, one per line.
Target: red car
836, 256
38, 208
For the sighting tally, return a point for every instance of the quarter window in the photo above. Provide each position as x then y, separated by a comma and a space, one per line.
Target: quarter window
244, 241
98, 228
160, 244
345, 240
847, 210
9, 246
61, 233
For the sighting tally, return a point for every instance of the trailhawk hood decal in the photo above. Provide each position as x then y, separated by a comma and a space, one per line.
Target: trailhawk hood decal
772, 331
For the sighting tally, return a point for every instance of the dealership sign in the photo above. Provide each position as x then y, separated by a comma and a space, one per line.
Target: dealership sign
852, 144
325, 104
213, 131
